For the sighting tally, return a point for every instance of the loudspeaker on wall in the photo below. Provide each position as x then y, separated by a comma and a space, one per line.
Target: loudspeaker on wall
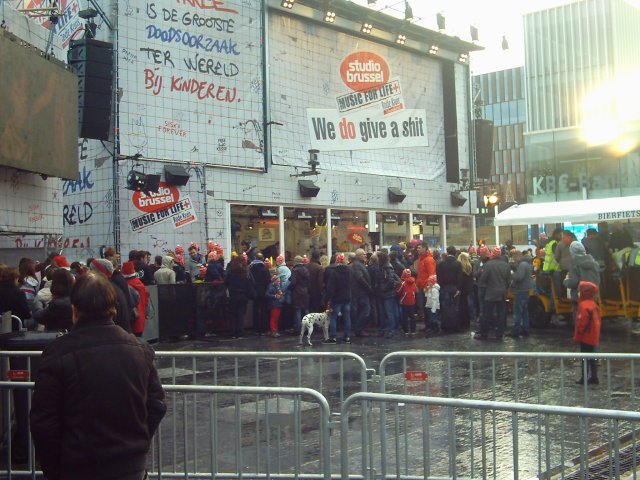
484, 147
92, 60
308, 188
176, 175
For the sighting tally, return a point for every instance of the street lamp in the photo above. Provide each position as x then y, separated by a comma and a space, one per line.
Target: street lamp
493, 200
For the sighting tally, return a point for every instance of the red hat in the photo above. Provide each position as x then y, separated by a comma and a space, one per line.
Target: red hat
212, 256
406, 273
483, 251
472, 250
340, 258
211, 246
128, 268
61, 261
496, 252
179, 249
195, 245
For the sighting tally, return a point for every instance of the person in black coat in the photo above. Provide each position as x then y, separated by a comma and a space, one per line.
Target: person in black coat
316, 282
299, 288
124, 303
57, 314
97, 400
449, 273
261, 279
11, 298
240, 291
215, 271
338, 295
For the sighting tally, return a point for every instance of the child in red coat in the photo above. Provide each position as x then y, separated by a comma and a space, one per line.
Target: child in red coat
406, 291
587, 329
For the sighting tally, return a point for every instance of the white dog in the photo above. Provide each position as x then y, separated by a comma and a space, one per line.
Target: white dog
311, 319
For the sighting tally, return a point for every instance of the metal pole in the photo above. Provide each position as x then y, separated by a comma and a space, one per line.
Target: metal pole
496, 226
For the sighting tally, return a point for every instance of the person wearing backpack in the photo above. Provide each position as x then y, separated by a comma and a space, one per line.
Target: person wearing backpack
406, 291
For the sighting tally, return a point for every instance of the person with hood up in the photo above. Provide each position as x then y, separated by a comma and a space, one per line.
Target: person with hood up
407, 298
583, 267
520, 286
165, 275
385, 288
275, 302
299, 287
432, 303
139, 317
587, 330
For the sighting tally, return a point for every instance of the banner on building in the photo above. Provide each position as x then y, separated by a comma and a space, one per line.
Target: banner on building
180, 213
366, 129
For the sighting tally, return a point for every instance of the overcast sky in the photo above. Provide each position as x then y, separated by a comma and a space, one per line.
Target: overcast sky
494, 18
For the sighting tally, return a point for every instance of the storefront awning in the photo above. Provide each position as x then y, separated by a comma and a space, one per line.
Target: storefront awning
574, 211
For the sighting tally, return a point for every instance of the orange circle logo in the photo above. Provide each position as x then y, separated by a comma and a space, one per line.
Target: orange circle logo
166, 196
364, 71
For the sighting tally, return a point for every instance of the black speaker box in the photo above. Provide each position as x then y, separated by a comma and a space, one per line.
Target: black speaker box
457, 200
175, 175
484, 147
92, 60
396, 195
308, 188
152, 184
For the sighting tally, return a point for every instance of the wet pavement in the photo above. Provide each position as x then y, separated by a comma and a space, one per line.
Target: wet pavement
284, 437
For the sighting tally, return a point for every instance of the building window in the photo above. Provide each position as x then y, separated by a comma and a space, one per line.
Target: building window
258, 226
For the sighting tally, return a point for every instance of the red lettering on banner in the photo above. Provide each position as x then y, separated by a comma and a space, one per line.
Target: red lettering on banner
217, 5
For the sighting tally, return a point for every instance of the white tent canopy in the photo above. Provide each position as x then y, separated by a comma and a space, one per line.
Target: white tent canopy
574, 211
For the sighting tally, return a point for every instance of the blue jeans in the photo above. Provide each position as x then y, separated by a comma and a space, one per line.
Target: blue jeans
520, 313
345, 308
298, 313
361, 307
389, 313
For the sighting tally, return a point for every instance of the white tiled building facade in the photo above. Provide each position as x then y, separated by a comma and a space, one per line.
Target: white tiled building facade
199, 85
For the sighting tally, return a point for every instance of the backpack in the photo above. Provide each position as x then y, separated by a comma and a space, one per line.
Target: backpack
135, 298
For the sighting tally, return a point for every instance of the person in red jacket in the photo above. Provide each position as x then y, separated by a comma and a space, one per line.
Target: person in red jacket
425, 266
587, 329
139, 318
406, 291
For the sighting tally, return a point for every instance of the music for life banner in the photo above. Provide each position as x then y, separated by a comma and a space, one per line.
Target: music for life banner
366, 129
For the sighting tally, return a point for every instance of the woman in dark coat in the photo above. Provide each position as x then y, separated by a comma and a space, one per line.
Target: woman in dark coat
299, 288
11, 298
57, 315
240, 290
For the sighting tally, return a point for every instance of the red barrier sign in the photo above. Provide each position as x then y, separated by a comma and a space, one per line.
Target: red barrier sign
415, 376
18, 374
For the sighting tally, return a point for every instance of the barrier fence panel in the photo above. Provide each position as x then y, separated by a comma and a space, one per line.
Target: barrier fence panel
336, 375
223, 432
531, 377
412, 437
251, 432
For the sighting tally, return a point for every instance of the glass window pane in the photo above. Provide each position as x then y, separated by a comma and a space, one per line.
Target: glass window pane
305, 230
258, 225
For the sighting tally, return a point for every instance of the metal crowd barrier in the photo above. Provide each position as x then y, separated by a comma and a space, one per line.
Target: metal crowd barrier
336, 375
412, 437
531, 377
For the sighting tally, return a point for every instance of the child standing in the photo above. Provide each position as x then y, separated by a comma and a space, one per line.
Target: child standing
587, 329
275, 300
406, 291
433, 305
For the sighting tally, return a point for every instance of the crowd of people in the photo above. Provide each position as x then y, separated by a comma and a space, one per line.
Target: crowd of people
389, 292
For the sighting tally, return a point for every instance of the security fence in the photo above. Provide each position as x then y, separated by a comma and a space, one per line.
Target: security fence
532, 377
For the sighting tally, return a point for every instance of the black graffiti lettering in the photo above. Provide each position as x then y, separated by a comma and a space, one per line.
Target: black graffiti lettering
159, 57
151, 11
201, 64
77, 214
83, 146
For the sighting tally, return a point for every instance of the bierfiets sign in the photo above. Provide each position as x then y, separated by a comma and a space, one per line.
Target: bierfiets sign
181, 213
